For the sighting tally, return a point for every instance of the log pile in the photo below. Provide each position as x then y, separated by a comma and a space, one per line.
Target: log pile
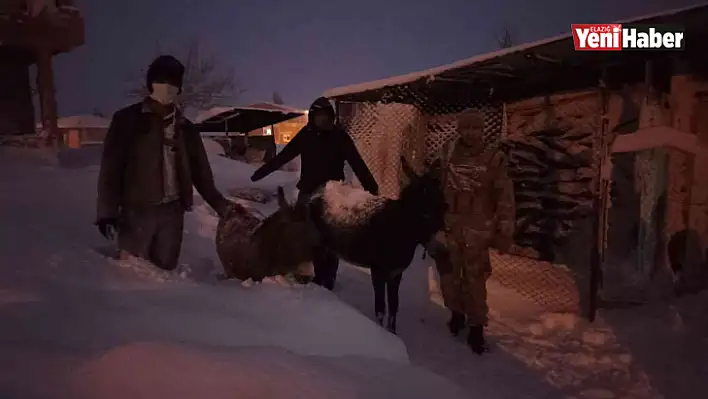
552, 174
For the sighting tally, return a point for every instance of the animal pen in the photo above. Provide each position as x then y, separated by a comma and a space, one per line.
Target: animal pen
594, 215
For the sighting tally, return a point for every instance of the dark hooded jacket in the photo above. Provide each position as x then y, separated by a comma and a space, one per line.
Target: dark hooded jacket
322, 155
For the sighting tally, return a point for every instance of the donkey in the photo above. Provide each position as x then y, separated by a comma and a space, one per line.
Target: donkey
251, 246
378, 233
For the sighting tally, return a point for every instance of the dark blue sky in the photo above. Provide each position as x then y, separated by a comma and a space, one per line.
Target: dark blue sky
303, 47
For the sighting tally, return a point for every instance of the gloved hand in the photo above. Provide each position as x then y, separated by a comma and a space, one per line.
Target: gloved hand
225, 210
257, 175
435, 248
108, 227
504, 244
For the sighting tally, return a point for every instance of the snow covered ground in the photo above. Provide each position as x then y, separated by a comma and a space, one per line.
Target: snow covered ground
76, 325
86, 327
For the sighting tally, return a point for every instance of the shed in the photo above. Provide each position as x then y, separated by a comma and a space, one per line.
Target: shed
237, 124
283, 131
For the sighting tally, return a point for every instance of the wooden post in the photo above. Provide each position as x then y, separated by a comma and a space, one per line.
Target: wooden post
683, 120
598, 226
47, 99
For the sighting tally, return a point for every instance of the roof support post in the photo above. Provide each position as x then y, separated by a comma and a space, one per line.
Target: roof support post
47, 99
600, 194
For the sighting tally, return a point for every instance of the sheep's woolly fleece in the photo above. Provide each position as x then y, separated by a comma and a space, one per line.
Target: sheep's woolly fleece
348, 206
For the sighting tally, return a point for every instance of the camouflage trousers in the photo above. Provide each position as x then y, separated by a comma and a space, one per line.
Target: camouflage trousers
464, 282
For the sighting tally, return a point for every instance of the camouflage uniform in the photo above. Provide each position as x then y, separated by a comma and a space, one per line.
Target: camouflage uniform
480, 215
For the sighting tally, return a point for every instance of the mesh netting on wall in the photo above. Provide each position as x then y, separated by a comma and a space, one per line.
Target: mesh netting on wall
419, 132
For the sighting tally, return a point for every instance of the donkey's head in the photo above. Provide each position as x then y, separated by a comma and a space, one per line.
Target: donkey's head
424, 198
294, 237
295, 212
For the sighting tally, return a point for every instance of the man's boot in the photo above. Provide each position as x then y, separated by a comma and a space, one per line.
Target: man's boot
475, 340
456, 323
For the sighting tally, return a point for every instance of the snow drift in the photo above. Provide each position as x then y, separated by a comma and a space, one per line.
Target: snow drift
76, 325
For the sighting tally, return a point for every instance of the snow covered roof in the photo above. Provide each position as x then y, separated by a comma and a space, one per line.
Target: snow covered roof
81, 122
479, 60
227, 112
279, 107
242, 119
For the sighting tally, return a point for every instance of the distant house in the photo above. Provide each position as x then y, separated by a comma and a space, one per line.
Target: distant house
283, 131
80, 130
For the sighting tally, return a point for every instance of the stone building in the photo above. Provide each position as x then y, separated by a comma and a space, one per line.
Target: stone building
605, 150
31, 33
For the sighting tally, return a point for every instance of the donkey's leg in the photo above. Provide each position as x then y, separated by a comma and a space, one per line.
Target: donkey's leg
378, 280
392, 286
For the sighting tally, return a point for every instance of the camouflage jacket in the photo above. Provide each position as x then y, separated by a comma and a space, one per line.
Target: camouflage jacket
479, 194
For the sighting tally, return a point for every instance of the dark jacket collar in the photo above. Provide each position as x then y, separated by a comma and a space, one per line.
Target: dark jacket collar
148, 107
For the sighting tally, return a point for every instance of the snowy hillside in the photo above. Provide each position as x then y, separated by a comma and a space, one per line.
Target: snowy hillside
76, 325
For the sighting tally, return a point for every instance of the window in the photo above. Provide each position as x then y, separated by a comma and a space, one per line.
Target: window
267, 131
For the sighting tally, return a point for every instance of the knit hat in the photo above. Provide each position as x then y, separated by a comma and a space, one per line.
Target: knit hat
165, 69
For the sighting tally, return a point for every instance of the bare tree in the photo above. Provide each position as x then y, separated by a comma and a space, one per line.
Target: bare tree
506, 37
277, 98
206, 81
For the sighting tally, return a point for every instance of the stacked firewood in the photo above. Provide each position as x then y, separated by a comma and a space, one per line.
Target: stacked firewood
552, 173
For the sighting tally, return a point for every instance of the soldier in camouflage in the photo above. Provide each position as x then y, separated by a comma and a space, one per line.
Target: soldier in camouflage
480, 215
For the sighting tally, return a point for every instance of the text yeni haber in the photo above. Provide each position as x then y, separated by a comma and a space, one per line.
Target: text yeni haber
618, 37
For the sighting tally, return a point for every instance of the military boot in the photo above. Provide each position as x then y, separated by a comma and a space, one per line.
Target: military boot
456, 323
475, 339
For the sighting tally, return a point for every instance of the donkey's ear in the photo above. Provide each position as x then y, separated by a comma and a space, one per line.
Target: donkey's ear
282, 202
407, 170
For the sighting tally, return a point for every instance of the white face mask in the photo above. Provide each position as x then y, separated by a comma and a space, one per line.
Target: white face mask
164, 93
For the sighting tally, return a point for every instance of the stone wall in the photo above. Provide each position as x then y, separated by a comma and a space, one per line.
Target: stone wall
552, 162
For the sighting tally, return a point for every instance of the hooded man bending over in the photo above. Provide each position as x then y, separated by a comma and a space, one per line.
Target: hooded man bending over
152, 156
323, 147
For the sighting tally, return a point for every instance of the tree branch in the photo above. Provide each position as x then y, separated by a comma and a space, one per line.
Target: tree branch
207, 82
505, 38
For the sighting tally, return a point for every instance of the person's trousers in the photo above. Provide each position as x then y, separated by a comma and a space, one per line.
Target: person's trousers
324, 261
464, 284
153, 233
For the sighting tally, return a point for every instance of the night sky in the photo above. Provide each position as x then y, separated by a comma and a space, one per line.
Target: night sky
303, 47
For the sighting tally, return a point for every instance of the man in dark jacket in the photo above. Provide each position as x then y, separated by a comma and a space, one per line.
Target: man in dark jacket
152, 157
323, 148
